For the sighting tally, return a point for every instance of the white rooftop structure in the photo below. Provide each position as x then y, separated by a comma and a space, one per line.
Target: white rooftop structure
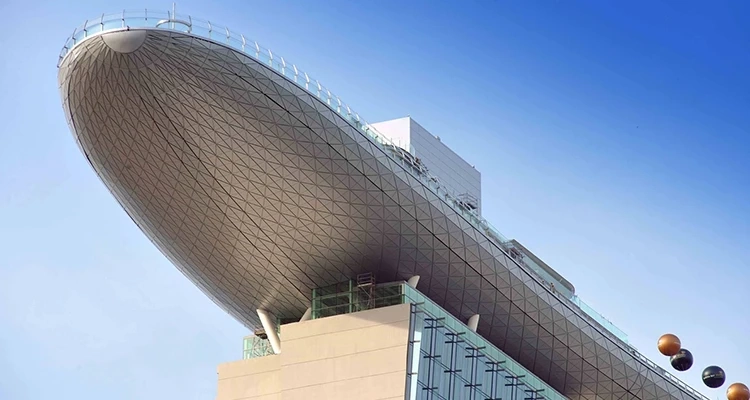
442, 162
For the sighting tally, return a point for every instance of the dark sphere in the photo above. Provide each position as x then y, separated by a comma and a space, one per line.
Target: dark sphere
682, 361
669, 344
714, 376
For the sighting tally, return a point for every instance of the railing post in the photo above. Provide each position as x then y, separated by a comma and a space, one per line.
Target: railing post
227, 29
243, 43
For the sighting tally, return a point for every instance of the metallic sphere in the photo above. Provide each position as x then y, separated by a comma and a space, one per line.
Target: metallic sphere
714, 376
682, 361
669, 344
738, 391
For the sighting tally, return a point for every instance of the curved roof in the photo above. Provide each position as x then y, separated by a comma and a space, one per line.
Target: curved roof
258, 191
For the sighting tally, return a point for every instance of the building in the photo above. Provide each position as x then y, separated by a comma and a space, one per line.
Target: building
265, 189
385, 341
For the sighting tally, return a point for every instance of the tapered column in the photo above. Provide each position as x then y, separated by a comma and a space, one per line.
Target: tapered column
269, 325
473, 322
307, 316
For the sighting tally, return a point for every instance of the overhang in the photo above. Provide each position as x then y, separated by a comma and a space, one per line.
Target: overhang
258, 191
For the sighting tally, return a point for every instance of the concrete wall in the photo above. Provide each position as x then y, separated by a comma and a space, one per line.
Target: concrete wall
257, 379
360, 355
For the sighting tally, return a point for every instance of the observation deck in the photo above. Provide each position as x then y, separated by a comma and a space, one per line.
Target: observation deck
259, 184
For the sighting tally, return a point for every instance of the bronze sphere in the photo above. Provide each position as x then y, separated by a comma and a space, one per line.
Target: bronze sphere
738, 391
669, 344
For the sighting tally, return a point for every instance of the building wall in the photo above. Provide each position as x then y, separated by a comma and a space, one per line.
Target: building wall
397, 130
452, 170
256, 379
361, 355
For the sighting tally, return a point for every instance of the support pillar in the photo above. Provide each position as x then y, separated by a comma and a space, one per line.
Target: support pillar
473, 322
307, 316
269, 325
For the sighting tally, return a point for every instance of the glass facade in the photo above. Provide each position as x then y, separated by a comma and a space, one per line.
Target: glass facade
444, 365
449, 361
349, 297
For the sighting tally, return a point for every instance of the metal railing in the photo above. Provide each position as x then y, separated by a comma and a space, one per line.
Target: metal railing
141, 19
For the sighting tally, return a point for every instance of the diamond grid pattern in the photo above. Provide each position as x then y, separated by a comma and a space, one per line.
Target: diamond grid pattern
258, 193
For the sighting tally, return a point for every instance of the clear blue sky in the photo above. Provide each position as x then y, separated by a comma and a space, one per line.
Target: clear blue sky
613, 142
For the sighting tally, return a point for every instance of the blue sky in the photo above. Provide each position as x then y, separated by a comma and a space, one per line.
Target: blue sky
613, 142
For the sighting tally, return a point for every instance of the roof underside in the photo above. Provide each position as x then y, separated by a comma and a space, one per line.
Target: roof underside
258, 192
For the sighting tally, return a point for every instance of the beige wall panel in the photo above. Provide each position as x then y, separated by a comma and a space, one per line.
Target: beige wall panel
375, 387
360, 355
343, 322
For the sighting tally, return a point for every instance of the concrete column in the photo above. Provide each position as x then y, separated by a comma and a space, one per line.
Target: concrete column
269, 325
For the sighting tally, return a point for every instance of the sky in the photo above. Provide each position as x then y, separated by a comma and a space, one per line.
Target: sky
612, 138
